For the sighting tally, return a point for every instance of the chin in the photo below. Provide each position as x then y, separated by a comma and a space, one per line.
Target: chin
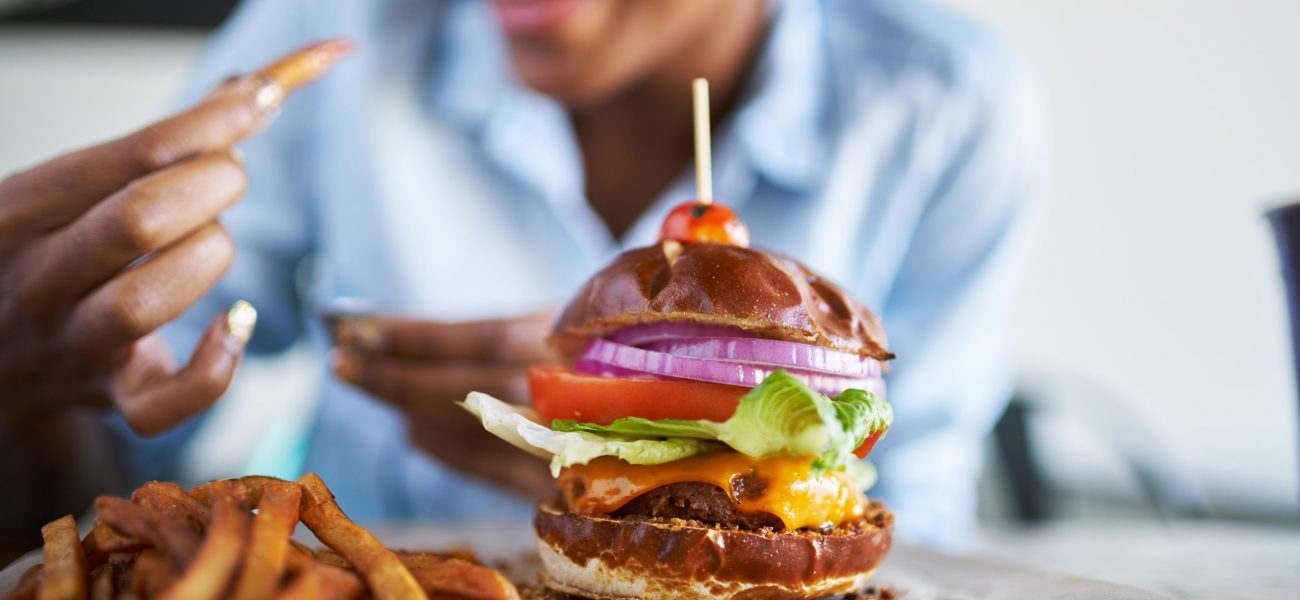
574, 86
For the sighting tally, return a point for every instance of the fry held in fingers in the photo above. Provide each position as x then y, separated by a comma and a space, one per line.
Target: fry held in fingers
299, 68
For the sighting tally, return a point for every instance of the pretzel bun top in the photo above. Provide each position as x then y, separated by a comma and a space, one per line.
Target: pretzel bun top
764, 293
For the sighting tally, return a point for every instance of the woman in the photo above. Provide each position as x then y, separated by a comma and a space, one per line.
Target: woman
476, 160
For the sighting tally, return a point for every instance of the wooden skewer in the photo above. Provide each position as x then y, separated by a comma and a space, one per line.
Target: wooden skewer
703, 147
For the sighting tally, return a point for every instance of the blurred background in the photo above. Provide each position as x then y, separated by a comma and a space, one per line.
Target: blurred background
1157, 397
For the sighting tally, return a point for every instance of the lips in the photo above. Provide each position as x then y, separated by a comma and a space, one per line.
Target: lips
531, 16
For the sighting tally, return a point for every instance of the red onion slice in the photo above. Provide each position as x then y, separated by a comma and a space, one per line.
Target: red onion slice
605, 356
585, 366
775, 353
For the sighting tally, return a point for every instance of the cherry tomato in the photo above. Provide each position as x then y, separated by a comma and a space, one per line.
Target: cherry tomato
696, 221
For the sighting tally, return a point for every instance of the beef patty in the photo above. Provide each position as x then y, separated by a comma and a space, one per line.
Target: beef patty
702, 502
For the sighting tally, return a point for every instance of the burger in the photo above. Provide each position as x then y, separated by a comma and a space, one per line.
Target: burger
708, 430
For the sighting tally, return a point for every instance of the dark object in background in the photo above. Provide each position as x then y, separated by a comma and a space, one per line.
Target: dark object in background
1034, 501
1286, 230
1166, 486
171, 13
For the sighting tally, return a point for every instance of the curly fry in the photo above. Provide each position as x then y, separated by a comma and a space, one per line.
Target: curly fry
217, 559
167, 533
268, 545
456, 578
323, 581
245, 491
101, 583
168, 498
102, 541
153, 572
27, 584
387, 576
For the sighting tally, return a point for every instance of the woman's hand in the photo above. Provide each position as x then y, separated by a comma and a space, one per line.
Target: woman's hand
101, 247
425, 367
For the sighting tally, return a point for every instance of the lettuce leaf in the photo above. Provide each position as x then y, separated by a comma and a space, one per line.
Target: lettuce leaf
780, 416
518, 425
860, 414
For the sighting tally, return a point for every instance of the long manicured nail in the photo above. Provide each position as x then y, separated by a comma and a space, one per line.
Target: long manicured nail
267, 96
240, 321
360, 334
345, 365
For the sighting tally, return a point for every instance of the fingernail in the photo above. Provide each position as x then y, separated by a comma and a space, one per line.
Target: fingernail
360, 333
345, 365
237, 155
240, 321
267, 96
672, 249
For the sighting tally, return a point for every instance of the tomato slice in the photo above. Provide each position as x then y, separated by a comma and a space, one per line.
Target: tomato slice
562, 394
868, 444
559, 393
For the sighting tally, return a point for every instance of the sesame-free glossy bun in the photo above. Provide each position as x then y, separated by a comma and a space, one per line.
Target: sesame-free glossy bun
769, 294
610, 557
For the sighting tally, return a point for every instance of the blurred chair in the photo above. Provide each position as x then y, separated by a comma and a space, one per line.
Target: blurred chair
1169, 489
1164, 485
1286, 230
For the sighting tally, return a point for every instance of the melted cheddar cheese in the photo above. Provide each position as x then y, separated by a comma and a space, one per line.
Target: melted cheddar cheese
783, 486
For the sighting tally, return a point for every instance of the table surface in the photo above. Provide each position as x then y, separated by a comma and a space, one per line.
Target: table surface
923, 574
1185, 560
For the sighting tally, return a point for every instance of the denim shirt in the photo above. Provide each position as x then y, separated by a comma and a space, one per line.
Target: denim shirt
888, 144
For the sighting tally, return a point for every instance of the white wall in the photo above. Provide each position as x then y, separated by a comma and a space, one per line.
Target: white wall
63, 87
1176, 123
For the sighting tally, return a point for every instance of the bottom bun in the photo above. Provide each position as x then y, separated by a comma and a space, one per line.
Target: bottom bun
603, 557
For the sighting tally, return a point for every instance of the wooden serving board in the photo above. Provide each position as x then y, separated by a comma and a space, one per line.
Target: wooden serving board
915, 573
